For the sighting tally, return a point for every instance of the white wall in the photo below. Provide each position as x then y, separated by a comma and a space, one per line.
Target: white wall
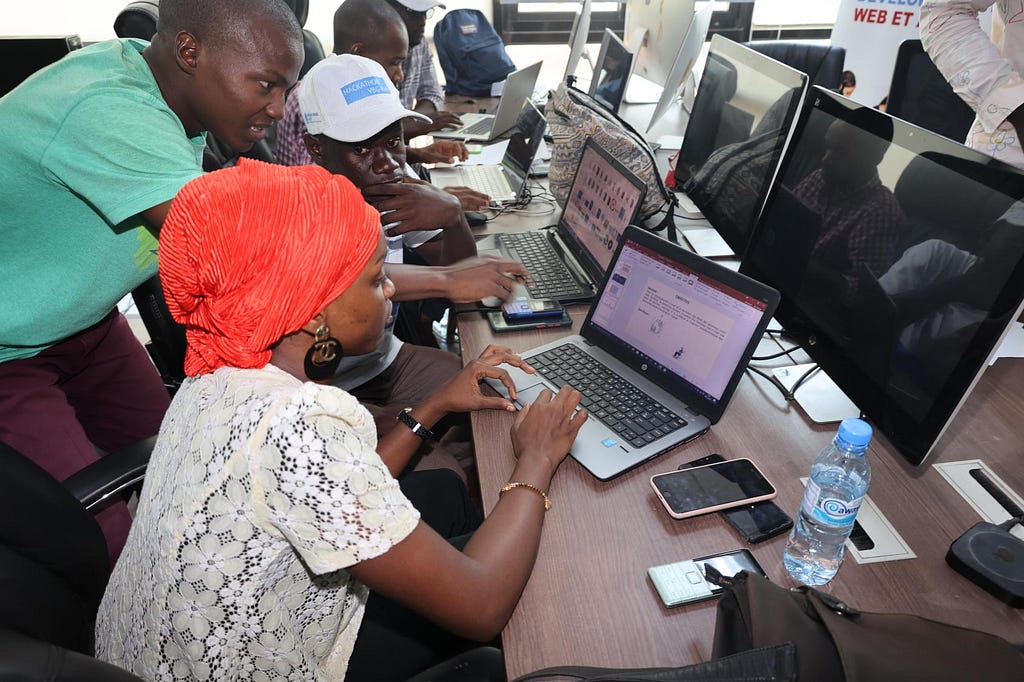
93, 20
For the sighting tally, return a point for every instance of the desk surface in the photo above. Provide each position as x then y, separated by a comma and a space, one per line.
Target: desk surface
589, 600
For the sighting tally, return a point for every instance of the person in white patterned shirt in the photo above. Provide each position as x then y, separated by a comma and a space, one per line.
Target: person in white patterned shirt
987, 73
271, 515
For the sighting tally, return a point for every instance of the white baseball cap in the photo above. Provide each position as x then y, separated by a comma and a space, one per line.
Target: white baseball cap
421, 5
350, 99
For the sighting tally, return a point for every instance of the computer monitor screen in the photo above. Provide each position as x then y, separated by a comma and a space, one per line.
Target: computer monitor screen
919, 93
654, 32
742, 115
898, 254
611, 71
23, 56
578, 39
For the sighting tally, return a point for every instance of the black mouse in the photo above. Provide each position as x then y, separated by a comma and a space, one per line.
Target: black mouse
475, 218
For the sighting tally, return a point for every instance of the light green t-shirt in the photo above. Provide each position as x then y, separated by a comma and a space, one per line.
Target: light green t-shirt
89, 143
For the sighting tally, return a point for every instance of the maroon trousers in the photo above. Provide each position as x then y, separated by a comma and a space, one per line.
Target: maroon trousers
96, 389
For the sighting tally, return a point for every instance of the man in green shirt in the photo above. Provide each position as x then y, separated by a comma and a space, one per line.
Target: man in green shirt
95, 147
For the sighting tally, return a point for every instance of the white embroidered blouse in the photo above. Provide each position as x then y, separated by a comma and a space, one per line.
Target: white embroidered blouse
260, 492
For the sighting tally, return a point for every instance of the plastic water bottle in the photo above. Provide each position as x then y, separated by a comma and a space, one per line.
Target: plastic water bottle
838, 482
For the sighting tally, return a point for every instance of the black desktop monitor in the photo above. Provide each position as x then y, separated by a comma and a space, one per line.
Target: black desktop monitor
899, 255
611, 71
920, 94
23, 56
743, 112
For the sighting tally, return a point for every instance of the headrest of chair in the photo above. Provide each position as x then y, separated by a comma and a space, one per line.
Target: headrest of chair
301, 9
138, 20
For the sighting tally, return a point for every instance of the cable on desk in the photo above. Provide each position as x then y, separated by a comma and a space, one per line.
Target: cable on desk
788, 394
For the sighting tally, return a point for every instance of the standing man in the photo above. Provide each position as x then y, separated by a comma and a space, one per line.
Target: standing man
94, 149
987, 73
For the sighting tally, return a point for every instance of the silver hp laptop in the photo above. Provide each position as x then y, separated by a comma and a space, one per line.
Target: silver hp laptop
659, 356
486, 127
504, 182
567, 262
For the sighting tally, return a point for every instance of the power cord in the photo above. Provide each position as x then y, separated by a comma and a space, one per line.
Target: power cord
788, 393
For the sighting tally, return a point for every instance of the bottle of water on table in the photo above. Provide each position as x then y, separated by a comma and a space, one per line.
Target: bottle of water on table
838, 482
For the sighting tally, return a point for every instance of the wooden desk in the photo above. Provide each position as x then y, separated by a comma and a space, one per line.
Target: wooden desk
589, 600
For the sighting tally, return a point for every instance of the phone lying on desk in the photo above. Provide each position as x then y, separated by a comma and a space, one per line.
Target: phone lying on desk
683, 582
756, 522
522, 309
499, 324
711, 487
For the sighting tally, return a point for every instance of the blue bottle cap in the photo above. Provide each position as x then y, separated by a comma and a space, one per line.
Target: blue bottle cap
856, 432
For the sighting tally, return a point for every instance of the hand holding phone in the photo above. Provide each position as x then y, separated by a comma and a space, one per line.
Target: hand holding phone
711, 487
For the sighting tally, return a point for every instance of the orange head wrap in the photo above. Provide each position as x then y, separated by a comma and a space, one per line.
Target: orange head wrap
250, 254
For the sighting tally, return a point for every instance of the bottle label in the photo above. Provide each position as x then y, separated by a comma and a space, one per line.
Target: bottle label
829, 510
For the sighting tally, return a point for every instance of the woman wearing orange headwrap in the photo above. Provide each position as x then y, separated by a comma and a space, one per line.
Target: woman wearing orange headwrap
268, 510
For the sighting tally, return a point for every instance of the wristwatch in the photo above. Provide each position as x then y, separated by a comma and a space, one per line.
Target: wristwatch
405, 416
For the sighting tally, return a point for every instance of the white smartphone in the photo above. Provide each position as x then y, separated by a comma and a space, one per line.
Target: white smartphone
712, 487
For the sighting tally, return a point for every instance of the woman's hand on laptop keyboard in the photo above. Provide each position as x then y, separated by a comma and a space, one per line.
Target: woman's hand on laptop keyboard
463, 393
545, 429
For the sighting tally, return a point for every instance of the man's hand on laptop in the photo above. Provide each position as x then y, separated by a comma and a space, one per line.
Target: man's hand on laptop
440, 151
438, 121
473, 279
470, 199
415, 205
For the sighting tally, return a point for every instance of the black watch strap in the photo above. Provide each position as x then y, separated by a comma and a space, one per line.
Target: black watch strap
420, 430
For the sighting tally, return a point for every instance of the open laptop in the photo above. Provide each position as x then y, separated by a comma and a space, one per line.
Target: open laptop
567, 262
486, 127
658, 358
504, 182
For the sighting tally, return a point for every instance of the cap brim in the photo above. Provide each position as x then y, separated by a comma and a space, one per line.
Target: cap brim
364, 130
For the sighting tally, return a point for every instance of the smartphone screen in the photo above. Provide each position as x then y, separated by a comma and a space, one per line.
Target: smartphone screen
500, 324
527, 309
712, 487
758, 521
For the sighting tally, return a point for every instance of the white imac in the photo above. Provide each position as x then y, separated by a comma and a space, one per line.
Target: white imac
655, 30
682, 65
578, 40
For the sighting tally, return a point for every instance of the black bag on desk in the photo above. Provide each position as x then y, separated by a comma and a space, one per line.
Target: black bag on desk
573, 117
771, 664
836, 642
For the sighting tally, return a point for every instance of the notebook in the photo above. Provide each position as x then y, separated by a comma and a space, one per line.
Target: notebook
662, 349
566, 262
486, 127
504, 182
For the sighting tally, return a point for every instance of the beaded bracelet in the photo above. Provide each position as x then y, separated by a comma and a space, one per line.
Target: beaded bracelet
516, 484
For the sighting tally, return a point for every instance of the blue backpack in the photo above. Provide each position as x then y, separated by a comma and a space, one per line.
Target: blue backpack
471, 53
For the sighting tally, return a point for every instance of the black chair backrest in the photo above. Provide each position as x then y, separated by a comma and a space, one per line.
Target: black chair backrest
166, 337
920, 94
823, 64
53, 557
312, 46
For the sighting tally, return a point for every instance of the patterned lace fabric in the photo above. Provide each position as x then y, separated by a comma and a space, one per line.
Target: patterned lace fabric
260, 492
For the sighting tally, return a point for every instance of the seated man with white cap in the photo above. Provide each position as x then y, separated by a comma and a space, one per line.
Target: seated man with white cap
354, 121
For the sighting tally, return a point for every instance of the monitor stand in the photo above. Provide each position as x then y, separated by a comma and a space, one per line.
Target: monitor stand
819, 397
639, 90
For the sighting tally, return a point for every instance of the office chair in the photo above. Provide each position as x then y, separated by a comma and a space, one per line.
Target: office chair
311, 45
54, 565
167, 342
823, 64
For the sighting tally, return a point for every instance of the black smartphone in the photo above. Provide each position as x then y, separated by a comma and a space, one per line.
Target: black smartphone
522, 309
711, 487
756, 522
500, 324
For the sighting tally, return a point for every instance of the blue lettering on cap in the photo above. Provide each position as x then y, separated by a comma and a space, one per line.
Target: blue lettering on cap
363, 88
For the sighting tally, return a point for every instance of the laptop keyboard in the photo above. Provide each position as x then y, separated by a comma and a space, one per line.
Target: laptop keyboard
636, 417
490, 180
550, 278
481, 127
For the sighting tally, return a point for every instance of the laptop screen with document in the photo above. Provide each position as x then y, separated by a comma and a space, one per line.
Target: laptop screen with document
676, 319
